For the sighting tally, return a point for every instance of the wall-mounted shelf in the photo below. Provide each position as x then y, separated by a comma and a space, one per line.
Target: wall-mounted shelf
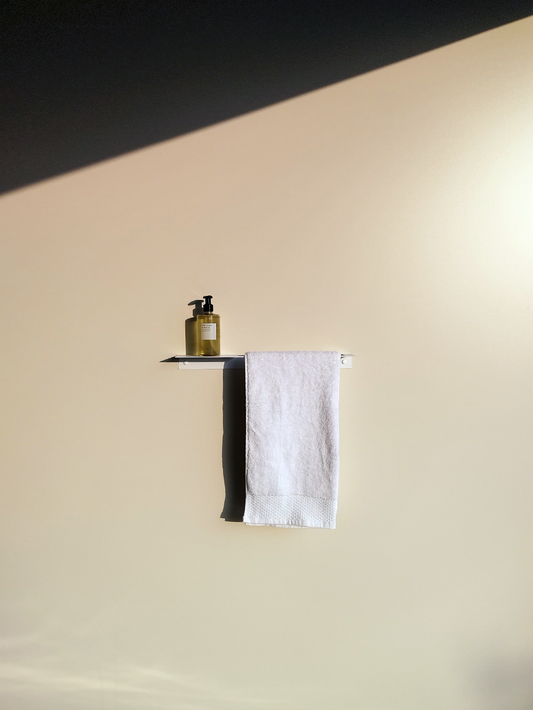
228, 362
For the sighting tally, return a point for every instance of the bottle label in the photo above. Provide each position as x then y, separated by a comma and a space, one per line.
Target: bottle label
209, 331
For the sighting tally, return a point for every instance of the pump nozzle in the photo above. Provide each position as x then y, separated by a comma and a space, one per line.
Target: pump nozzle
208, 306
198, 308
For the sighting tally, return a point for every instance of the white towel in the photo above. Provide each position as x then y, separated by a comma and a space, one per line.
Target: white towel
292, 438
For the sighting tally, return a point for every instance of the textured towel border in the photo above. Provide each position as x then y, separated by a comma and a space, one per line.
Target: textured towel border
290, 511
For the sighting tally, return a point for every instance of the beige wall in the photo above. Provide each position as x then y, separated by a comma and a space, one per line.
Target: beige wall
390, 216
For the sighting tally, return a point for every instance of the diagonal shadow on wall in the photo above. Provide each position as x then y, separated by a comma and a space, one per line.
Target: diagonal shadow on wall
81, 82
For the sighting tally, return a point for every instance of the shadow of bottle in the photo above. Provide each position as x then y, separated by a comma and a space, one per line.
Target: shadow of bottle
191, 329
233, 443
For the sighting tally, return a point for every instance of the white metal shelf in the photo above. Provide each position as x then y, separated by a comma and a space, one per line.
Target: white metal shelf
228, 362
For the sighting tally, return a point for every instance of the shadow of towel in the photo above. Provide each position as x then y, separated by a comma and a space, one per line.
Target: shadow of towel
233, 443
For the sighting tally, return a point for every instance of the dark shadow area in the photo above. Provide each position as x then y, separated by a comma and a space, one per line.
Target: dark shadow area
84, 81
233, 443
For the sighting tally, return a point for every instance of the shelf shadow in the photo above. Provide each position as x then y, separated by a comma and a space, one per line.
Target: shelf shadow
233, 443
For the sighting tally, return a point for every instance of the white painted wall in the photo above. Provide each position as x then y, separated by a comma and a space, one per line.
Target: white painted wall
390, 216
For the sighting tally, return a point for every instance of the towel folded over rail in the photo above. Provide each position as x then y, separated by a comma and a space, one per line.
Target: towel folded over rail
292, 438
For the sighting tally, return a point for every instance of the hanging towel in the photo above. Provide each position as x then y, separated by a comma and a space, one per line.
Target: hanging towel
292, 438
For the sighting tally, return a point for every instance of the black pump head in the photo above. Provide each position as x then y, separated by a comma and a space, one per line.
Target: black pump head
198, 307
208, 306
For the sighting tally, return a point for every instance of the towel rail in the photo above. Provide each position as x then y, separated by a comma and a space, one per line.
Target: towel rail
229, 362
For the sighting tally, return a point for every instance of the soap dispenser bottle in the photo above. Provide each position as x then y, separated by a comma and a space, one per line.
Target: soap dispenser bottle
208, 330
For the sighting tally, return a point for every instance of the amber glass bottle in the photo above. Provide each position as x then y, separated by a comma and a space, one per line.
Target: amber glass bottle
208, 330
